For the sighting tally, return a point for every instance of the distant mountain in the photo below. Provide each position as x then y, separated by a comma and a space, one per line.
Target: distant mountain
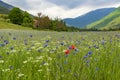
3, 10
3, 4
88, 18
111, 21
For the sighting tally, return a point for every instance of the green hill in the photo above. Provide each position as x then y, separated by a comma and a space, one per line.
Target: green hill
3, 10
6, 25
111, 21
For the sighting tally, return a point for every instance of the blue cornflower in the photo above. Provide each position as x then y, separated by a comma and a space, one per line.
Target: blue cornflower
38, 50
103, 42
1, 37
90, 53
95, 46
14, 38
11, 67
76, 50
96, 68
85, 56
31, 36
7, 53
68, 70
6, 41
47, 41
62, 43
45, 45
65, 62
87, 61
25, 42
11, 48
43, 63
0, 56
75, 74
9, 34
2, 45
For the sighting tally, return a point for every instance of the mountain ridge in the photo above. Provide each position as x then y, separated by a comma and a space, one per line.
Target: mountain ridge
110, 21
6, 5
88, 18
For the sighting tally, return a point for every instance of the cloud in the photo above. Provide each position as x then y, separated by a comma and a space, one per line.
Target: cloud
77, 3
62, 8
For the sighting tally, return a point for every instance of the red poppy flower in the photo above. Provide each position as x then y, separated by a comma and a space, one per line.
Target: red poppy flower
72, 47
67, 51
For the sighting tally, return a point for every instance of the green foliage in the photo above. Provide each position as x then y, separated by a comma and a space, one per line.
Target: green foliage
44, 22
27, 20
16, 16
4, 18
58, 25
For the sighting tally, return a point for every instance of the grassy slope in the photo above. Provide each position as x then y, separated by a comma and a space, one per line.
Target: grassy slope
5, 25
107, 21
3, 10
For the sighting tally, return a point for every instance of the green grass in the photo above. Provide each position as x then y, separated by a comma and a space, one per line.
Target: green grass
39, 55
6, 25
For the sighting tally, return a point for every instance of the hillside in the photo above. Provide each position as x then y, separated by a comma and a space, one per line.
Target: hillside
88, 18
3, 4
111, 21
6, 25
3, 10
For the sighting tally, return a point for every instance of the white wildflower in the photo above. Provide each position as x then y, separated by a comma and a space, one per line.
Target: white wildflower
20, 75
6, 70
49, 58
33, 47
28, 53
25, 62
30, 58
1, 61
48, 69
40, 70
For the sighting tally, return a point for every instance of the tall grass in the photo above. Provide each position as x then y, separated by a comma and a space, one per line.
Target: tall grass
33, 55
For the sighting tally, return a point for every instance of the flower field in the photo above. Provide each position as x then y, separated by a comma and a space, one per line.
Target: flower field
44, 55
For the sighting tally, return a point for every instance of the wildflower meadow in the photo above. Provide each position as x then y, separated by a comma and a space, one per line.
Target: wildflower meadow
44, 55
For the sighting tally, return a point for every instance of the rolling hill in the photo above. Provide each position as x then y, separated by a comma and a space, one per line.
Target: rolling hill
6, 25
4, 7
3, 10
88, 18
111, 21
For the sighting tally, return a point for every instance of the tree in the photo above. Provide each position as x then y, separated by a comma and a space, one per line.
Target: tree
27, 20
16, 16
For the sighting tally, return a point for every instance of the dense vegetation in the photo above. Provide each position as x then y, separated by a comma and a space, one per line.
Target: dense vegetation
44, 55
40, 22
110, 22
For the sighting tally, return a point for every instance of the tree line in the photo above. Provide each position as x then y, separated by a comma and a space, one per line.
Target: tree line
40, 22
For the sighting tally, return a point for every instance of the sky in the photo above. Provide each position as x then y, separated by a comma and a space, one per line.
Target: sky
62, 8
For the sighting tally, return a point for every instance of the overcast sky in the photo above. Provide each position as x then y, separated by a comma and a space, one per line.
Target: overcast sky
62, 8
